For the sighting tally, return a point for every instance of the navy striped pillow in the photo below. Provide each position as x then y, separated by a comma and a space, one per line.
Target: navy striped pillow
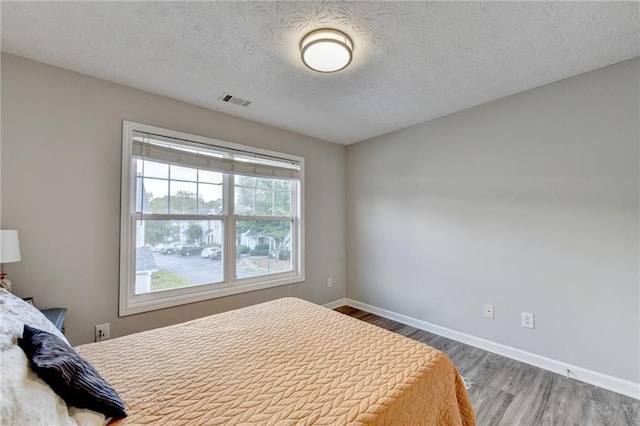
68, 374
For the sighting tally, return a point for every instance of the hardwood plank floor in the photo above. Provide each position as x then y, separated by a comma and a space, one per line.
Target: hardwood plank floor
508, 392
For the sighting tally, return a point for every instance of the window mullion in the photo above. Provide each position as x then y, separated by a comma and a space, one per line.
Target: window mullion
255, 195
230, 228
295, 232
169, 190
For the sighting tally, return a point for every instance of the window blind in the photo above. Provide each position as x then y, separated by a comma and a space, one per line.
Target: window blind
207, 157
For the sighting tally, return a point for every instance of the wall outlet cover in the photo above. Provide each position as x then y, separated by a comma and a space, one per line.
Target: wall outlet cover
489, 312
528, 320
102, 332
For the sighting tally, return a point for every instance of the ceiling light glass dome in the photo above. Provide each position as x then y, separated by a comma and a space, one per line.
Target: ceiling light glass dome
326, 50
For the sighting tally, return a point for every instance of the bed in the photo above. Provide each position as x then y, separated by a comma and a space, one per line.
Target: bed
286, 362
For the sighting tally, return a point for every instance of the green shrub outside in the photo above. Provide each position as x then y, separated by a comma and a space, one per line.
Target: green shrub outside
255, 252
284, 255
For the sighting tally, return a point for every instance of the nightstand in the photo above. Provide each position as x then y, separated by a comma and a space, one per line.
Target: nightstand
56, 316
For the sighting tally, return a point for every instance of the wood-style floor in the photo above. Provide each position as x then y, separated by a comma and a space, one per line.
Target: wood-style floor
508, 392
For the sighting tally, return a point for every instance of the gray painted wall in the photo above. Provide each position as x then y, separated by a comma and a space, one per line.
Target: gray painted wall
61, 144
529, 203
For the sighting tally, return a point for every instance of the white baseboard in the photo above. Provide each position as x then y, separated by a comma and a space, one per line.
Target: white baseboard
615, 384
335, 304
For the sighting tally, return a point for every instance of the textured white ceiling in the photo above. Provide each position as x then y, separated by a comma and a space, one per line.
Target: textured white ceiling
413, 61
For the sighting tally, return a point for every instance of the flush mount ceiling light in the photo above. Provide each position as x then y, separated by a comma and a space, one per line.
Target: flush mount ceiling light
326, 50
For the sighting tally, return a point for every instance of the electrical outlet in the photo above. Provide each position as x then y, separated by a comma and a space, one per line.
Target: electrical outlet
528, 320
329, 282
102, 332
488, 312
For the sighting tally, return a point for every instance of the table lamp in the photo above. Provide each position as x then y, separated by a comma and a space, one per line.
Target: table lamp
9, 252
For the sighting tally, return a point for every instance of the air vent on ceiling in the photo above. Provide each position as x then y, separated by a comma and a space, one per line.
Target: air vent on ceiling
235, 100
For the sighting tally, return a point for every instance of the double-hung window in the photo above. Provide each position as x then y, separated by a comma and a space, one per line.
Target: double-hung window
203, 218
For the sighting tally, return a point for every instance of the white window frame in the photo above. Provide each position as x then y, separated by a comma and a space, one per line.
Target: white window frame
130, 303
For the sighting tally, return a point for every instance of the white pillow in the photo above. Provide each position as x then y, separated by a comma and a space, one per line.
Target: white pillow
15, 313
25, 399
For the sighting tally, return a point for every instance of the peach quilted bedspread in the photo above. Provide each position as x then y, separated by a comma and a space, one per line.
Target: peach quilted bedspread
285, 362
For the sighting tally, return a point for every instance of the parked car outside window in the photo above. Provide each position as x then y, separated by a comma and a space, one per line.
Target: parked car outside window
211, 253
189, 249
171, 248
158, 247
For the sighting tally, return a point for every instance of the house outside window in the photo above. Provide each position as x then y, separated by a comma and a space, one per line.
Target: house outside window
203, 218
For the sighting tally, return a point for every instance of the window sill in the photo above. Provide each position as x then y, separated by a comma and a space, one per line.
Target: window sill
161, 300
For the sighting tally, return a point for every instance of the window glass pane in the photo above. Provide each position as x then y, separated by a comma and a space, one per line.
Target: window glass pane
210, 198
157, 196
184, 173
282, 185
209, 177
245, 200
245, 181
177, 253
282, 203
153, 169
263, 247
183, 197
263, 200
264, 183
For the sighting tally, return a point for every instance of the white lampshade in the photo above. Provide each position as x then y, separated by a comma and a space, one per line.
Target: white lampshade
326, 50
9, 246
